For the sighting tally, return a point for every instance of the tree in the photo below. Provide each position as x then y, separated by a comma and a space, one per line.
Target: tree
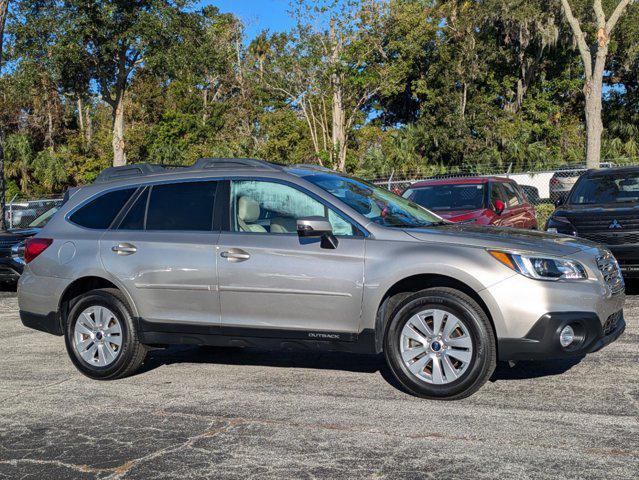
329, 68
116, 39
593, 57
4, 7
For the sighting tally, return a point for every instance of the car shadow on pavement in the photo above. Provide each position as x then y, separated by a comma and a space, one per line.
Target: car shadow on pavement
329, 361
540, 368
265, 358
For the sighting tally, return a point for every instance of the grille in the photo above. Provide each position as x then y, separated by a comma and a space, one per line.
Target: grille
609, 268
612, 238
611, 322
601, 222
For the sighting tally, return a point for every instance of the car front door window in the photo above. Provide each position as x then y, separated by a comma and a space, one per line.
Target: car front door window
270, 207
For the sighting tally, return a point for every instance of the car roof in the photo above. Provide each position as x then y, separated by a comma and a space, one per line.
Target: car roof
612, 171
133, 174
459, 181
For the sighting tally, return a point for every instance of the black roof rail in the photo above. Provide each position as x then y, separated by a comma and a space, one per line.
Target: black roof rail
204, 163
311, 166
127, 171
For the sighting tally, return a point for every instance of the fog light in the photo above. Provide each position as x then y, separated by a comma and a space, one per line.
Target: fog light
567, 336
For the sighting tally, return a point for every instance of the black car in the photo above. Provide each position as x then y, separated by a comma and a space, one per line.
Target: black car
12, 243
603, 206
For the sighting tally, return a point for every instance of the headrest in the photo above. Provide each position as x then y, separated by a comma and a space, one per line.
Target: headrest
248, 210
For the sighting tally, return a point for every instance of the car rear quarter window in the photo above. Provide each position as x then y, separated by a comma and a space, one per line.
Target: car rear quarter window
100, 212
181, 206
134, 218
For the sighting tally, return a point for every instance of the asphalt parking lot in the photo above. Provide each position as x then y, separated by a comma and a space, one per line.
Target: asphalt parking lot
244, 414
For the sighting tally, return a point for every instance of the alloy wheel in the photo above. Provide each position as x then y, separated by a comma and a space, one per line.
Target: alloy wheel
97, 336
436, 346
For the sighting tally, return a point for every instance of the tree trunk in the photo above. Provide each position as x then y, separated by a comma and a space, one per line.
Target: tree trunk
463, 99
338, 131
594, 124
80, 114
339, 125
89, 124
594, 70
119, 155
4, 5
205, 105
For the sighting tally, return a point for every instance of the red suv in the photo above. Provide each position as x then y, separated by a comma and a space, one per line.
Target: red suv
482, 200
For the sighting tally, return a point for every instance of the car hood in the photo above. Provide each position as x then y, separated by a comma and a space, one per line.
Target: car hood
460, 215
598, 209
502, 238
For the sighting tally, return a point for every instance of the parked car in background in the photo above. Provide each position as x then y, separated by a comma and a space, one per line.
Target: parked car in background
12, 246
562, 182
21, 214
603, 206
481, 200
532, 193
240, 252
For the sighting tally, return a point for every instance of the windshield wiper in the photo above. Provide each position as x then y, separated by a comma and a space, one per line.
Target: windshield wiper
424, 225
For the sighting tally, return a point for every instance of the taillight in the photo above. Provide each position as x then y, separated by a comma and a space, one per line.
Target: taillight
554, 181
34, 247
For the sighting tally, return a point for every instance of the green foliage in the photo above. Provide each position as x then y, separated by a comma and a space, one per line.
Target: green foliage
427, 87
543, 212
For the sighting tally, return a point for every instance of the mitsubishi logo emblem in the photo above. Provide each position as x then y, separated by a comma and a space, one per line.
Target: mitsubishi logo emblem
615, 224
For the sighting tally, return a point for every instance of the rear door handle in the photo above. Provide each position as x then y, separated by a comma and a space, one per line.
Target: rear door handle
124, 249
235, 255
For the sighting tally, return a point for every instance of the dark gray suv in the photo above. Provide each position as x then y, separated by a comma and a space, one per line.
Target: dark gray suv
247, 253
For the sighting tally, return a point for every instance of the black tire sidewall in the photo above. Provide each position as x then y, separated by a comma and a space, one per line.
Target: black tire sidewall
104, 299
480, 334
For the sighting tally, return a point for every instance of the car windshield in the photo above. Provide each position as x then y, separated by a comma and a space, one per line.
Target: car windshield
375, 203
448, 197
42, 220
607, 188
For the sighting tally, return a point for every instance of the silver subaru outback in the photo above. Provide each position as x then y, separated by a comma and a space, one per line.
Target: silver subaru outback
239, 252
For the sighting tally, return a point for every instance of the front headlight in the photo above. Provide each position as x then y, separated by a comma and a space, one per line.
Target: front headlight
540, 267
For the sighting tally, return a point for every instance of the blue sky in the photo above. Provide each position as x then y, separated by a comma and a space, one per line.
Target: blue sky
257, 15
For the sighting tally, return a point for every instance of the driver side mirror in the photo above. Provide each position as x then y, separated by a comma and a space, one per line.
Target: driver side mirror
499, 207
310, 227
560, 200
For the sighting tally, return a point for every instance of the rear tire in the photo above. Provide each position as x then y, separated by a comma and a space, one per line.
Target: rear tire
104, 345
431, 361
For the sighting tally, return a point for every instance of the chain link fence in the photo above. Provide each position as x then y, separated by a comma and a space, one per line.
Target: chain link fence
23, 212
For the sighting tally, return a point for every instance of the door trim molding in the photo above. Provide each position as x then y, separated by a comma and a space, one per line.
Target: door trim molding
155, 333
283, 291
175, 286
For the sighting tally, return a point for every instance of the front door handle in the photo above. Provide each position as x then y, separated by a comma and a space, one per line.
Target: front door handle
235, 255
124, 249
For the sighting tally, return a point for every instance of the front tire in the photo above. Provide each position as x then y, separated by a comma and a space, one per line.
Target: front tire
101, 336
440, 344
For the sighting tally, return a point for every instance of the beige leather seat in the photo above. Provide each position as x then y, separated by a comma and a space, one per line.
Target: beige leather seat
248, 211
283, 225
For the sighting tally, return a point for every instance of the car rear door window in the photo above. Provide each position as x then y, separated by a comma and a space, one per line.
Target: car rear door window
100, 212
181, 206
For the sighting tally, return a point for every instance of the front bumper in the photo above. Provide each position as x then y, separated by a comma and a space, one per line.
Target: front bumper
542, 341
628, 258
